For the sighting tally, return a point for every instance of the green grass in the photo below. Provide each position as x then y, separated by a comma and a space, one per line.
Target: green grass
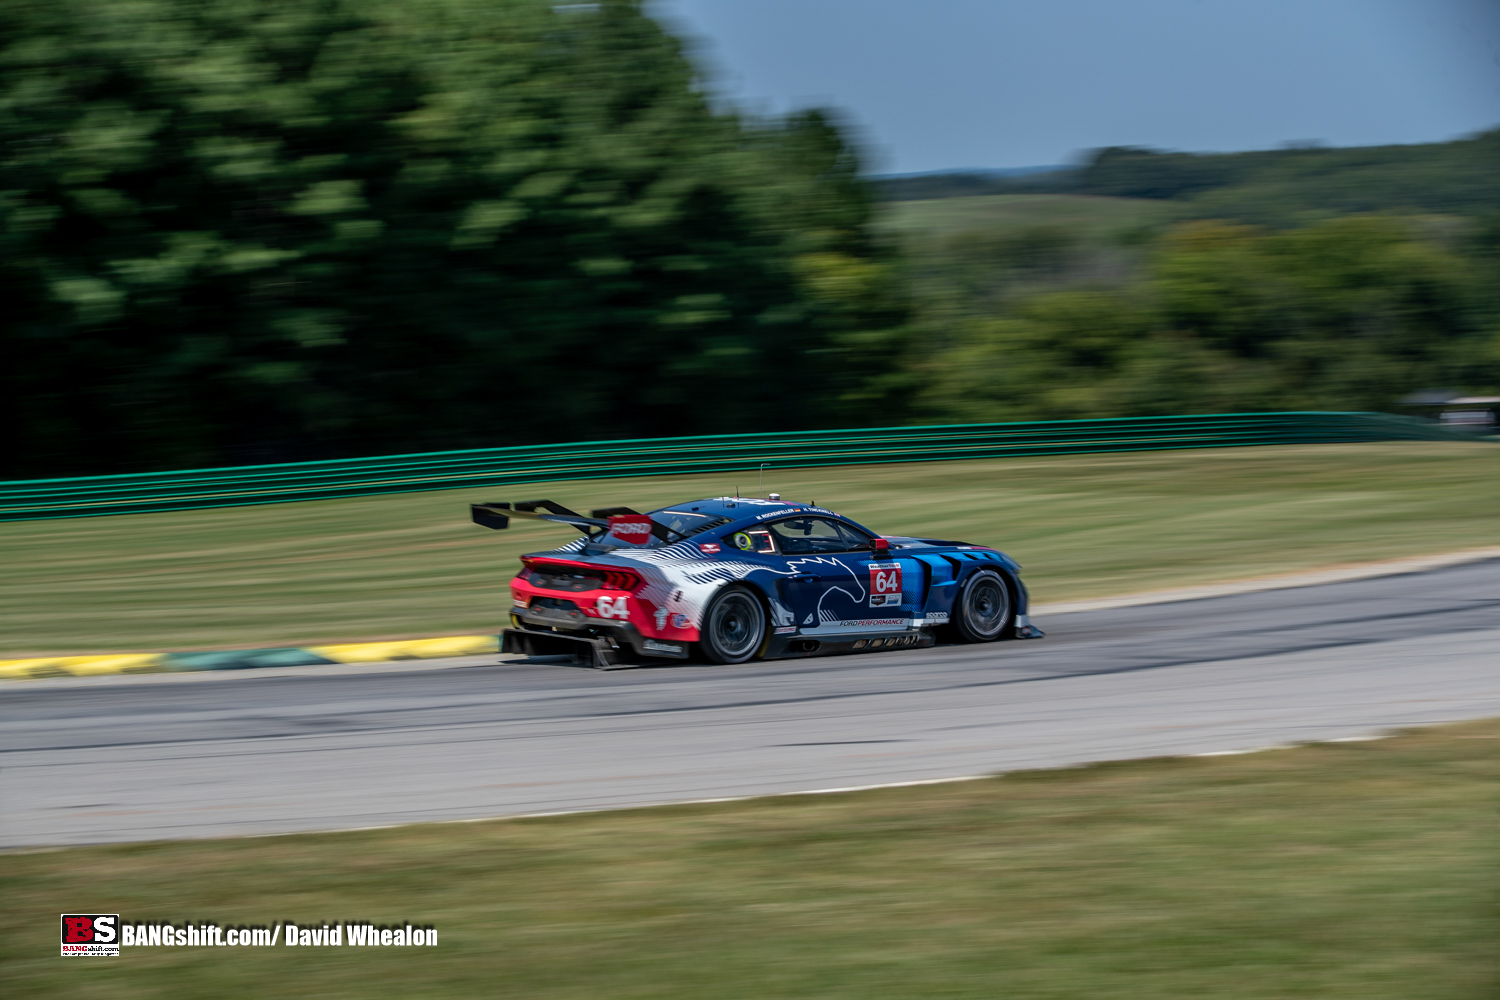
412, 564
1330, 871
1090, 215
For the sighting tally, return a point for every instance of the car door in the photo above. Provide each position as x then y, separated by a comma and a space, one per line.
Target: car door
820, 587
830, 584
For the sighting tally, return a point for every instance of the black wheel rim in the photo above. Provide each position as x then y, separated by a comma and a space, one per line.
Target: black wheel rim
987, 606
736, 625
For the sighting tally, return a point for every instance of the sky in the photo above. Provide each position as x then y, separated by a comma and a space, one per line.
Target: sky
932, 85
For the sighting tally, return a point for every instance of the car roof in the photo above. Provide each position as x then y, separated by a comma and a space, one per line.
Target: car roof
733, 508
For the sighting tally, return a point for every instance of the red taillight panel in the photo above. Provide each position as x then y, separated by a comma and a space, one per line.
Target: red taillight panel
601, 592
609, 577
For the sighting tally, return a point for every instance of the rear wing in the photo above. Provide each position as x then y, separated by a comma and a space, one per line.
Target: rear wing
497, 515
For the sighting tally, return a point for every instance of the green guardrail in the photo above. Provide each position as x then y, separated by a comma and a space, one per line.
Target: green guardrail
258, 484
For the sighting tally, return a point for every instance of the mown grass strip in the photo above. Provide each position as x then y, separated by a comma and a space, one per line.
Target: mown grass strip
1348, 870
412, 565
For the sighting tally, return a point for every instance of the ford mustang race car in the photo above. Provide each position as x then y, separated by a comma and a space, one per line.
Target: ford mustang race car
740, 578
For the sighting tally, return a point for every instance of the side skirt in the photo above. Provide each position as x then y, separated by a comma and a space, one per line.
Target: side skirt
789, 647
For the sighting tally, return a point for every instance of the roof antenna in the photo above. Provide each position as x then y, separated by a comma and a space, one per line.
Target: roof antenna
763, 477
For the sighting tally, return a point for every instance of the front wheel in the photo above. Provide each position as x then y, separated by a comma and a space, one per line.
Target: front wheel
734, 626
983, 609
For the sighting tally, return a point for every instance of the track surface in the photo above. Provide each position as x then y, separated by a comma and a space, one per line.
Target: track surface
268, 751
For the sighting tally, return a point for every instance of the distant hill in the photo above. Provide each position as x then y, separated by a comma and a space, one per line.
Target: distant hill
1085, 217
968, 183
1273, 187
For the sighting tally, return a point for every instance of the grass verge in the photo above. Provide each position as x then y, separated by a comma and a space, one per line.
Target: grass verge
412, 565
1091, 216
1331, 870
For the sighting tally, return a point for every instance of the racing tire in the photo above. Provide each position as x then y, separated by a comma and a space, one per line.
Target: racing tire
734, 626
984, 610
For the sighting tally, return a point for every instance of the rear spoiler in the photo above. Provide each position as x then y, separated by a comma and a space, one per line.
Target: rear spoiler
497, 515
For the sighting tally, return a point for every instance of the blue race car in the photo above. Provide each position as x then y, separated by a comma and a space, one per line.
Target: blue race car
742, 578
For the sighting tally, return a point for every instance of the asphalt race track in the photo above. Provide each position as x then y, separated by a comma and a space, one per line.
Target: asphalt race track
87, 760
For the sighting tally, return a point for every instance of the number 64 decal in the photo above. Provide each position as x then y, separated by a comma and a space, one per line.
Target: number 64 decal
885, 584
612, 607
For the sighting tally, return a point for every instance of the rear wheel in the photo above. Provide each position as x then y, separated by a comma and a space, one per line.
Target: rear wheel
734, 627
984, 609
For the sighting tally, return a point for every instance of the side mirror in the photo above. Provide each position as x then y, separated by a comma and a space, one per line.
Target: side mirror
880, 546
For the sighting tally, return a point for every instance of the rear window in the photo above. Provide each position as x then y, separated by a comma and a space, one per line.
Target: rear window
686, 522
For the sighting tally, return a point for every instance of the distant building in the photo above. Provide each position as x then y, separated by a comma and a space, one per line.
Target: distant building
1472, 412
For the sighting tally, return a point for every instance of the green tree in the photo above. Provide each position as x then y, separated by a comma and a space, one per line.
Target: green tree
245, 231
1351, 313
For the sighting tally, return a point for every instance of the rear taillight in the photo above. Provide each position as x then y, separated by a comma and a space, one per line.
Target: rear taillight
609, 577
620, 579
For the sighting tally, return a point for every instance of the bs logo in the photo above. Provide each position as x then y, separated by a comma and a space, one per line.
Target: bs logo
90, 935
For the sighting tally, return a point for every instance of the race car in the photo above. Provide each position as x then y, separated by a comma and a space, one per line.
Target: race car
733, 579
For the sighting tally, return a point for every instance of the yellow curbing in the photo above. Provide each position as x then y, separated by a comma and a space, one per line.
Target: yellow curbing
151, 663
83, 666
410, 649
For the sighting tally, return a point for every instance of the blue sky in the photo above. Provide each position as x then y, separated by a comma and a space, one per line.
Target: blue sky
946, 84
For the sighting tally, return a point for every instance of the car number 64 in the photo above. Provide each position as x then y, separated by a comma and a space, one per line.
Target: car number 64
885, 584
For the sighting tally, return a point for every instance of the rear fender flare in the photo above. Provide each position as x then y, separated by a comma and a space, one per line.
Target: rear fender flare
759, 592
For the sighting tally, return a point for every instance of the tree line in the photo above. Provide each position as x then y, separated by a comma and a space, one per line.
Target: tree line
1350, 313
239, 232
1280, 187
